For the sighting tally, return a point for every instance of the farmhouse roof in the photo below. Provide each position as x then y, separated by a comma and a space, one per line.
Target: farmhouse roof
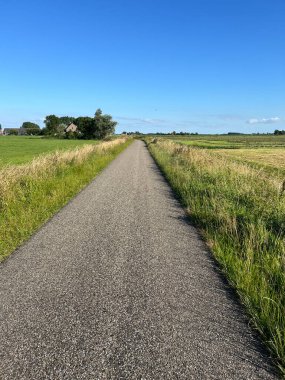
71, 128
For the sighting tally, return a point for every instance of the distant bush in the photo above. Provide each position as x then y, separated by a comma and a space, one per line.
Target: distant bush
13, 132
277, 132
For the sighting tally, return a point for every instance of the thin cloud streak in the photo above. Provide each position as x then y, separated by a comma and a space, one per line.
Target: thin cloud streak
270, 120
140, 120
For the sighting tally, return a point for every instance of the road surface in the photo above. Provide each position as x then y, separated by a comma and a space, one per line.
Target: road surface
118, 285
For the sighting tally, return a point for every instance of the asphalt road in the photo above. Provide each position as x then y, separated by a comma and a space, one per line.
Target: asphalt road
118, 285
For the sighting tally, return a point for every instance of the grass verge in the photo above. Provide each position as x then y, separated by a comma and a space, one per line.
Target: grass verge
30, 194
242, 216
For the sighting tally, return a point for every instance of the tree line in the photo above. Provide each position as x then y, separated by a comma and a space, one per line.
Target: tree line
161, 133
278, 132
97, 127
85, 127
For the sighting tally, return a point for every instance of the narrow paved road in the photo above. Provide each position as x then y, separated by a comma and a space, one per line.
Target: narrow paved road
119, 286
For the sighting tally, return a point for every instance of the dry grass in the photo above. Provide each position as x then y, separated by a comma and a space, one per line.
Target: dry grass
272, 159
47, 164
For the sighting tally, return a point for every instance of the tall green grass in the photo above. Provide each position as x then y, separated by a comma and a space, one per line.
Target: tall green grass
30, 194
242, 216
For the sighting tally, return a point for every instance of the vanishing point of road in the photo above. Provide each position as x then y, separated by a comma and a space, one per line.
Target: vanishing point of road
119, 285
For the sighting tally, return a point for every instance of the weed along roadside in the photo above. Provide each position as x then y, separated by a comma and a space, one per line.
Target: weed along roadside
242, 216
31, 193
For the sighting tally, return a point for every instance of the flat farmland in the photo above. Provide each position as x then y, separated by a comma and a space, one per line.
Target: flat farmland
232, 141
21, 149
271, 160
266, 153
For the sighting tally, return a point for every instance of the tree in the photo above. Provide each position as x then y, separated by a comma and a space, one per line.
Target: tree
66, 120
84, 125
104, 125
278, 132
51, 122
97, 127
31, 128
13, 131
59, 130
30, 125
55, 125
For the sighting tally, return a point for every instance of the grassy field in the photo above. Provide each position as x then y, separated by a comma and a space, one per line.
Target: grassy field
231, 141
21, 149
234, 197
31, 193
263, 152
269, 160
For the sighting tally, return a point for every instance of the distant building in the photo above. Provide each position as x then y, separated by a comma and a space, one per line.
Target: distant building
14, 131
22, 132
11, 131
71, 128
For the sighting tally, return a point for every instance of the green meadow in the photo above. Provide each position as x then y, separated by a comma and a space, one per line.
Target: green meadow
22, 149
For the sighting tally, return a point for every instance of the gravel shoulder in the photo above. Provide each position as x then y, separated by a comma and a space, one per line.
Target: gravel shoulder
118, 285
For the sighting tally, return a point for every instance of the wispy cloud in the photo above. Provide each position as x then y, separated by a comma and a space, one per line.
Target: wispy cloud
270, 120
140, 120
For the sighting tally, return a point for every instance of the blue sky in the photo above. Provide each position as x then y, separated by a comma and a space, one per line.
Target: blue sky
207, 66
